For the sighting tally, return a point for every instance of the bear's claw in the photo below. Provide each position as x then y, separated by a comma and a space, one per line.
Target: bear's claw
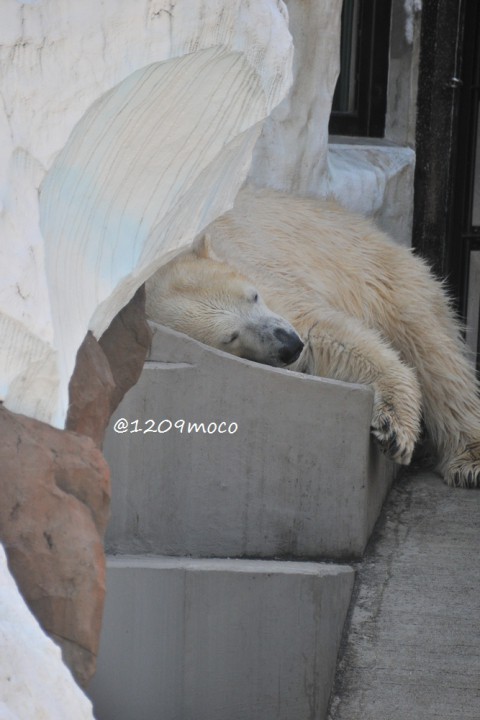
464, 470
394, 439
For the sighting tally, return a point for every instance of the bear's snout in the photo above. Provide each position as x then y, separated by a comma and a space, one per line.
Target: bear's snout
291, 348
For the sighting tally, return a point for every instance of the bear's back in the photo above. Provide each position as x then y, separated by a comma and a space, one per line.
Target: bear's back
302, 250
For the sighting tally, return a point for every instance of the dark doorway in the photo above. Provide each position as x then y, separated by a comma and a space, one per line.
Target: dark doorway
447, 182
360, 99
465, 234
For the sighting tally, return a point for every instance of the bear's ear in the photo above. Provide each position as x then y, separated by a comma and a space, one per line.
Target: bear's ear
202, 247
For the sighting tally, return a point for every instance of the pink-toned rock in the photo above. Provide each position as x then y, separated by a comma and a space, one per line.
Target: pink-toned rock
55, 491
90, 392
106, 370
126, 343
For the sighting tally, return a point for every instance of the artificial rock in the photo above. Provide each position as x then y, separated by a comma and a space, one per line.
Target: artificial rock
106, 369
34, 682
126, 343
55, 488
90, 391
125, 128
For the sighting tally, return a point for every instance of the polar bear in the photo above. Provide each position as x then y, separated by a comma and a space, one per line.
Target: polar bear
366, 310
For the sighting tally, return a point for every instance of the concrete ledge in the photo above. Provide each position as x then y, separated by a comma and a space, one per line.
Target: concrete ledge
217, 639
300, 478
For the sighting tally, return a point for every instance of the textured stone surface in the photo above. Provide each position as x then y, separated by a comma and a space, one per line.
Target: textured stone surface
219, 639
34, 682
55, 498
126, 343
374, 180
105, 370
125, 128
90, 391
293, 152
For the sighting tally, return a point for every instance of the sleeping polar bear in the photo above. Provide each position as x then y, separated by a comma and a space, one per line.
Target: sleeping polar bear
366, 309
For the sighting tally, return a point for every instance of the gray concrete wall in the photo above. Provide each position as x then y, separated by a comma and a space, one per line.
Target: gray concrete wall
210, 639
300, 478
219, 639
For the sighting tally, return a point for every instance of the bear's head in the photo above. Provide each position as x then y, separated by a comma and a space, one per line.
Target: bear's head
203, 297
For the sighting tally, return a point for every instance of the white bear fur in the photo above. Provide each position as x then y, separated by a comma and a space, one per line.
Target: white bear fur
368, 310
189, 295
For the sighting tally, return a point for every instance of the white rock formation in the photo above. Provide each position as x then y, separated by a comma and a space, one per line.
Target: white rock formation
293, 153
34, 682
125, 127
374, 180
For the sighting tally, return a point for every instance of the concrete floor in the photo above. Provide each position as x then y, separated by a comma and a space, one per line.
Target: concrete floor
412, 650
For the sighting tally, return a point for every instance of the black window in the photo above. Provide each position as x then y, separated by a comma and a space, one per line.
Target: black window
360, 99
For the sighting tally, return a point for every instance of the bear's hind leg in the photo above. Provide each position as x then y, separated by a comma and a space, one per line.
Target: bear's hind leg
463, 470
452, 417
428, 339
452, 412
341, 348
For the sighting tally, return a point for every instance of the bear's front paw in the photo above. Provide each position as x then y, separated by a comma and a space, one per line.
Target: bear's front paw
463, 471
396, 440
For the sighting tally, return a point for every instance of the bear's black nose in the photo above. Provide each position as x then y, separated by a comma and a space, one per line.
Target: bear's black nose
291, 348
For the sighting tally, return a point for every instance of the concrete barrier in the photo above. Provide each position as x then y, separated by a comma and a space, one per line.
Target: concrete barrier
216, 639
292, 472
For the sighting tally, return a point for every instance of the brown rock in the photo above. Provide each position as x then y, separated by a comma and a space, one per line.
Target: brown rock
55, 492
106, 370
90, 392
126, 343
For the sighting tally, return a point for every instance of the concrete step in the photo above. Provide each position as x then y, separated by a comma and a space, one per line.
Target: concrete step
190, 639
293, 473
